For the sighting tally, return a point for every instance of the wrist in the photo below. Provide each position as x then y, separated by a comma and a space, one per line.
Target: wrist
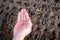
18, 37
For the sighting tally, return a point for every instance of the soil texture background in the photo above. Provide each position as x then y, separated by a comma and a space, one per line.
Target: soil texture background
44, 14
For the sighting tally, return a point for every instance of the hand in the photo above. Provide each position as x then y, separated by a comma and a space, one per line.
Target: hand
23, 25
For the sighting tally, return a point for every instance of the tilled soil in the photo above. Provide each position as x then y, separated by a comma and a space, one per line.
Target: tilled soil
45, 16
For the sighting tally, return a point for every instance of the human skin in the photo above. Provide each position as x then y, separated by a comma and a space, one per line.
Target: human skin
23, 25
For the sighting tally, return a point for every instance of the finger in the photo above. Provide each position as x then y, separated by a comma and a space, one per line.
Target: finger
27, 18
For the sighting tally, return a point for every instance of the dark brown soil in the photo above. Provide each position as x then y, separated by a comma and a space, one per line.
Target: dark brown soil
45, 16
